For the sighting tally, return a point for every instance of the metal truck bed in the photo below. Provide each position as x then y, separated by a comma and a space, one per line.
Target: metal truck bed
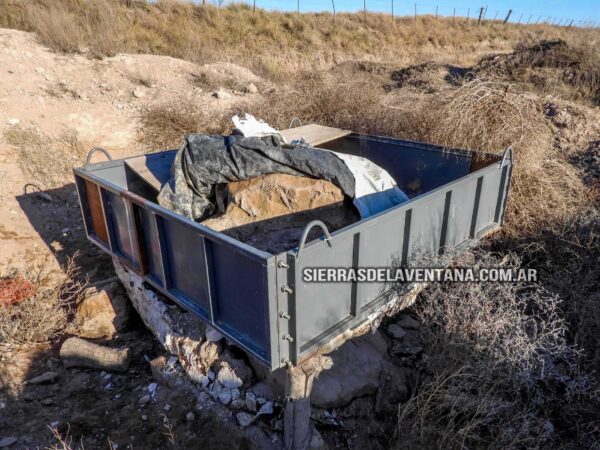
259, 300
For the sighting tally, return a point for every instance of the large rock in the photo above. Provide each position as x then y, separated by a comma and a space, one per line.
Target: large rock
103, 313
356, 371
270, 212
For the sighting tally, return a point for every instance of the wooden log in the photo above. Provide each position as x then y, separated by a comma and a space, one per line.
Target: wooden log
76, 352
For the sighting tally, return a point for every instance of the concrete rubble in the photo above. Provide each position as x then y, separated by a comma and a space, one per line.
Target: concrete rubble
354, 369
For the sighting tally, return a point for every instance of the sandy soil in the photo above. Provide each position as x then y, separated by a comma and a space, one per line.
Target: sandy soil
100, 100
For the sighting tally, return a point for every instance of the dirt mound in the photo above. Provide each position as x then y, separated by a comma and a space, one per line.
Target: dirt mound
551, 65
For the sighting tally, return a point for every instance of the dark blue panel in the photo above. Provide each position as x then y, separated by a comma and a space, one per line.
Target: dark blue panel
417, 168
241, 294
186, 264
150, 243
118, 224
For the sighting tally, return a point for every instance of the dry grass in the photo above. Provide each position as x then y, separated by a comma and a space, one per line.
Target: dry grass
46, 161
44, 314
163, 126
501, 371
271, 43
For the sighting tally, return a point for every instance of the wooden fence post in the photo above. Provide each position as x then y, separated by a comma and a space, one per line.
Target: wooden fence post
508, 16
392, 10
333, 4
480, 15
365, 10
254, 7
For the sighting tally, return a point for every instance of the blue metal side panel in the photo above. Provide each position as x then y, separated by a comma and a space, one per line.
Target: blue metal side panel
240, 293
185, 267
150, 244
118, 224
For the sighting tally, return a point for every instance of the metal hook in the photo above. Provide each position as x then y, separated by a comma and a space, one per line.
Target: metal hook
94, 150
295, 119
314, 223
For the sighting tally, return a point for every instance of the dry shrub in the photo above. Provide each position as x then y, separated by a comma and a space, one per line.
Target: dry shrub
566, 254
43, 314
490, 116
46, 161
501, 373
164, 126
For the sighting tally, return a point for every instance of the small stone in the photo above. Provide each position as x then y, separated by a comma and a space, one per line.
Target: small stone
237, 404
251, 402
143, 400
267, 408
144, 417
12, 122
251, 88
548, 427
212, 335
7, 441
47, 401
139, 92
189, 417
228, 378
117, 396
244, 419
396, 331
408, 323
152, 388
47, 377
167, 407
316, 441
221, 94
235, 394
225, 396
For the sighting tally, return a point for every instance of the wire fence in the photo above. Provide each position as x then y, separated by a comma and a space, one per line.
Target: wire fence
403, 9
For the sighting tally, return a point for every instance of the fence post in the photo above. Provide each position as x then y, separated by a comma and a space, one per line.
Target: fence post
365, 10
494, 19
520, 17
453, 15
508, 16
480, 15
333, 4
530, 16
254, 7
436, 12
468, 14
298, 7
571, 22
392, 10
415, 13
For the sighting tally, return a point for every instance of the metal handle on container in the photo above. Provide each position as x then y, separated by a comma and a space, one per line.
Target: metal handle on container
294, 120
314, 223
94, 150
507, 153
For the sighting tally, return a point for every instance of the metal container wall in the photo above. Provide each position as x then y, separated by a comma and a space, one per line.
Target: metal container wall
259, 300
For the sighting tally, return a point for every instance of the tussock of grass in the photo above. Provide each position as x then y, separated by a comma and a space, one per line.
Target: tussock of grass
46, 161
44, 314
163, 126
